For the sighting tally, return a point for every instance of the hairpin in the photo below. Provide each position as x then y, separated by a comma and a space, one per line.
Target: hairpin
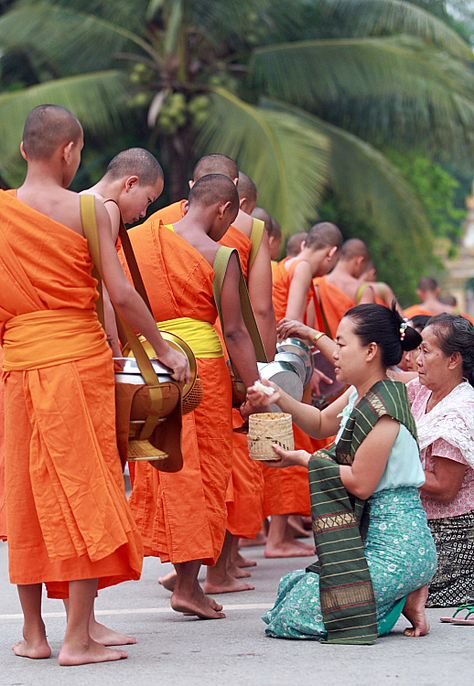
403, 328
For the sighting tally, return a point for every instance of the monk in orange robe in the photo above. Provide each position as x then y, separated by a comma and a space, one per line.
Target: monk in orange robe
383, 293
176, 262
428, 291
244, 501
288, 493
69, 525
347, 274
334, 302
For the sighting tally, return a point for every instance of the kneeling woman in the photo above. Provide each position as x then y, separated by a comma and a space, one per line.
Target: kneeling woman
372, 539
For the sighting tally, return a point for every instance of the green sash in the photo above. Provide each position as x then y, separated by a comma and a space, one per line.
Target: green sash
347, 596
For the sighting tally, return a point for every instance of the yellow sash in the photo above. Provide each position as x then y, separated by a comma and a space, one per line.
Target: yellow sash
201, 336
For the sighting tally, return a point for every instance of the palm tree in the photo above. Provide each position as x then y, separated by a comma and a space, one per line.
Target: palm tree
303, 94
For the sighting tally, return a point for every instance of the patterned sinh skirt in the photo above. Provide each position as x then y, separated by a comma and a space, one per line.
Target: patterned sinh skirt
454, 580
401, 556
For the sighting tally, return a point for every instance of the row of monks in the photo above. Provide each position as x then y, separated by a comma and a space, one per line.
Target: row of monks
63, 506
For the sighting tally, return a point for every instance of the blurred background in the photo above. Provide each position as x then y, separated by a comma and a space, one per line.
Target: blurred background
356, 111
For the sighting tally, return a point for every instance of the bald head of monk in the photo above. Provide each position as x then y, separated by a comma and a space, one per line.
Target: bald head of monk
428, 288
215, 163
215, 199
295, 243
247, 193
53, 136
321, 247
134, 179
355, 256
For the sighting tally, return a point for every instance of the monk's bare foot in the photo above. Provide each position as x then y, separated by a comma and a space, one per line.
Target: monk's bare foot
295, 524
289, 549
415, 612
168, 581
260, 539
108, 637
35, 650
228, 585
72, 655
244, 562
238, 572
198, 604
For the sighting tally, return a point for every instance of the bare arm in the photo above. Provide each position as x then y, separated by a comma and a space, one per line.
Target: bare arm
260, 291
237, 338
130, 305
388, 296
326, 345
298, 295
368, 295
362, 477
444, 482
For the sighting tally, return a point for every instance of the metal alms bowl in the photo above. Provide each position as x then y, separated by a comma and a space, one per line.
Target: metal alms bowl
296, 362
297, 347
285, 376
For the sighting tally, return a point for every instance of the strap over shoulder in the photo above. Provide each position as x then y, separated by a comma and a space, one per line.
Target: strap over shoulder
258, 231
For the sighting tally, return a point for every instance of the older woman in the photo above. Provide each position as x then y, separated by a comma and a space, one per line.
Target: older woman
442, 402
373, 542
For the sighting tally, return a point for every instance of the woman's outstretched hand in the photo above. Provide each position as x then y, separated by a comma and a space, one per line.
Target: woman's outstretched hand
289, 328
260, 400
288, 458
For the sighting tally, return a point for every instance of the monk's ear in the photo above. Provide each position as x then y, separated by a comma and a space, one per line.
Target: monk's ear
67, 151
242, 202
236, 181
332, 251
223, 208
131, 182
23, 152
191, 183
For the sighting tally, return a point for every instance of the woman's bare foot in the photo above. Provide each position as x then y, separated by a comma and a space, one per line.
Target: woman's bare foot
415, 612
289, 549
74, 654
197, 604
35, 650
108, 637
168, 581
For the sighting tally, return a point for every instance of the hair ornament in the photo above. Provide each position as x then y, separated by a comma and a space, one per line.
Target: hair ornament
403, 328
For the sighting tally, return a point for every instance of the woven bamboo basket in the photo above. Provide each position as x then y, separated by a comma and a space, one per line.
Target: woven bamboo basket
267, 428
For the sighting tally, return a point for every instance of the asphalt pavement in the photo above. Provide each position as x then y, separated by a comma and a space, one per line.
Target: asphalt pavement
176, 650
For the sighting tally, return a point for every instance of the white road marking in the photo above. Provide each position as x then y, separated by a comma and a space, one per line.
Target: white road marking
144, 611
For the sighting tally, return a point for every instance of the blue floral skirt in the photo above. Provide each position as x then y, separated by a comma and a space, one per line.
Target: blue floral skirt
401, 556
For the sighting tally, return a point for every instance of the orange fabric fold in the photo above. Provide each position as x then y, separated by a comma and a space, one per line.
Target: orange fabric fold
416, 310
67, 515
182, 516
335, 303
3, 514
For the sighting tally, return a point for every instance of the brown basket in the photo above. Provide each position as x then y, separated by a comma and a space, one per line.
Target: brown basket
193, 397
267, 428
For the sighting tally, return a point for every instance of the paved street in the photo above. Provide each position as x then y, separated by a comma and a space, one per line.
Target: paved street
177, 650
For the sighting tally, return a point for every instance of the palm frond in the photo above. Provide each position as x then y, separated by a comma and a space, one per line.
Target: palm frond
70, 40
98, 100
382, 17
374, 81
367, 184
287, 162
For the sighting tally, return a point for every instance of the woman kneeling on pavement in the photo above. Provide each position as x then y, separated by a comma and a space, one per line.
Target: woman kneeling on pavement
373, 543
442, 402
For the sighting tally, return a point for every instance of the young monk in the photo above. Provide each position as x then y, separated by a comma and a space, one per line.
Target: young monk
428, 291
69, 524
347, 274
286, 491
245, 491
132, 182
383, 293
176, 263
273, 229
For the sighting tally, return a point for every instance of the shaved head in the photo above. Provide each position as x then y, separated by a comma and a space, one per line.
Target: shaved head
247, 189
260, 213
323, 235
216, 164
47, 128
428, 285
354, 247
213, 189
135, 162
293, 246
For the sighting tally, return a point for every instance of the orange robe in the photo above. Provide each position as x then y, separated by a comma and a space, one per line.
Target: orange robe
416, 310
182, 516
286, 491
335, 303
245, 492
3, 514
67, 514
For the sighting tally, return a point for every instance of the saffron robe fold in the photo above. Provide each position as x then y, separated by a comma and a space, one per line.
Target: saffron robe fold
182, 516
67, 514
3, 514
334, 302
245, 492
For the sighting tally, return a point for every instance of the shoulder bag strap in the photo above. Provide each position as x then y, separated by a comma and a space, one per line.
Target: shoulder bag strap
258, 231
221, 263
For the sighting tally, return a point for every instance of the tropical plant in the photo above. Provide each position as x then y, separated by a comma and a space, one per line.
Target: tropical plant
302, 94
